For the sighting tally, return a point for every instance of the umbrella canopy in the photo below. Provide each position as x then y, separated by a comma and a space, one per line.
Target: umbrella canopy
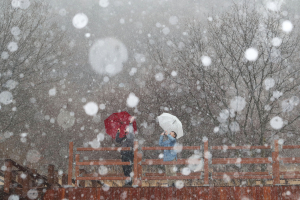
118, 120
170, 123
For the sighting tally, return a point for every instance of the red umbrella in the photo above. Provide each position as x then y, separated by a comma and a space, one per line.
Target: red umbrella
118, 120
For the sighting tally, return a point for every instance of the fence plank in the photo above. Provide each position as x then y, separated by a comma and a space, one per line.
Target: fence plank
72, 193
99, 193
70, 166
62, 193
291, 147
260, 193
115, 193
275, 168
275, 193
206, 168
140, 169
237, 193
50, 176
179, 193
103, 178
104, 149
80, 194
246, 192
214, 193
77, 157
136, 193
135, 163
91, 163
243, 177
239, 147
231, 193
240, 173
91, 193
203, 192
106, 194
170, 177
188, 192
223, 193
227, 161
178, 162
144, 193
7, 176
171, 148
276, 164
285, 193
290, 160
171, 193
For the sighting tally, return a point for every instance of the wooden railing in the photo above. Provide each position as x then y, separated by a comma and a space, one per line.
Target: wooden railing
204, 175
20, 179
95, 162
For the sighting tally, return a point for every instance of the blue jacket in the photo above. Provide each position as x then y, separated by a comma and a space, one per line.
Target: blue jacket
169, 155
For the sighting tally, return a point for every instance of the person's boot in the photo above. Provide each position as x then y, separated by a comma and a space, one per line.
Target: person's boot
127, 183
171, 185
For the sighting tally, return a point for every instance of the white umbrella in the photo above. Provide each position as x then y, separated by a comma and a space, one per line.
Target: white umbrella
170, 123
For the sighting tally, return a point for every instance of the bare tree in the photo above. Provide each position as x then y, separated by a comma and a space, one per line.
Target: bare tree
34, 55
239, 91
33, 49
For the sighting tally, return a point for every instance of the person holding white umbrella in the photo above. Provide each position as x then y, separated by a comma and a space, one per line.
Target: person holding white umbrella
173, 130
169, 155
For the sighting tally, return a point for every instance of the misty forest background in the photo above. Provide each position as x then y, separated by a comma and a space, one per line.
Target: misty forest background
45, 66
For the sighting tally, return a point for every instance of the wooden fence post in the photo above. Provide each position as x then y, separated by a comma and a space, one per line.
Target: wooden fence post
32, 181
135, 163
140, 169
70, 168
64, 179
50, 175
82, 172
25, 184
206, 168
76, 169
7, 176
94, 183
276, 164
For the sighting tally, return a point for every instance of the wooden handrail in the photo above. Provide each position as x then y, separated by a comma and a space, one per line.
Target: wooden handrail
170, 177
29, 171
290, 160
238, 147
244, 177
105, 175
178, 162
138, 163
173, 148
241, 161
102, 178
291, 147
105, 149
290, 173
240, 173
102, 163
109, 160
177, 174
291, 176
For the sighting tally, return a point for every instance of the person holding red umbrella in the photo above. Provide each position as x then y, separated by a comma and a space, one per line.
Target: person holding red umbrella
127, 156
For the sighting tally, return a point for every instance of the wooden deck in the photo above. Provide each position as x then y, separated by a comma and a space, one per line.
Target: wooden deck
195, 193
